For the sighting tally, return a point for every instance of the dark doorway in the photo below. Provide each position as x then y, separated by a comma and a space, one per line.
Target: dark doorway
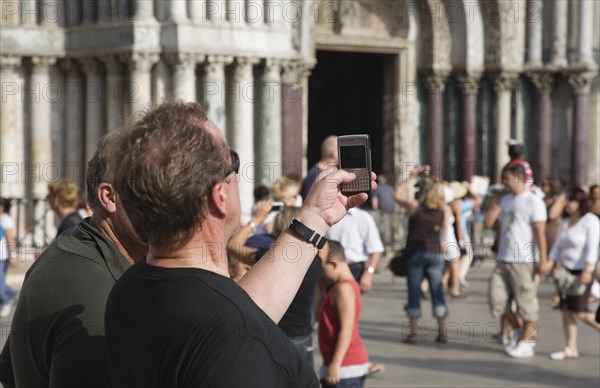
346, 97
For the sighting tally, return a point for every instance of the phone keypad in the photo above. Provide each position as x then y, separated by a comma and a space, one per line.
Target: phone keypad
360, 183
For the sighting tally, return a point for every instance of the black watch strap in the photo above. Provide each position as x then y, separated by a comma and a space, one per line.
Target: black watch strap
310, 235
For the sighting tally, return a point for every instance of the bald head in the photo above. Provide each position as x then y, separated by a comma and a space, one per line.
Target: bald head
329, 148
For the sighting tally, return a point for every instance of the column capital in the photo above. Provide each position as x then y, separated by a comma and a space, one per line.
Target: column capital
91, 66
505, 81
69, 65
272, 69
42, 63
468, 82
10, 62
184, 60
213, 65
140, 61
436, 81
542, 79
243, 67
292, 70
581, 82
113, 65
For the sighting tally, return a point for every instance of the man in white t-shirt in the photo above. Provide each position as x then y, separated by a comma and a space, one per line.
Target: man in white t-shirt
521, 253
362, 244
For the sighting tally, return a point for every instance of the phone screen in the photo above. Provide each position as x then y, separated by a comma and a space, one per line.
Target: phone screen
353, 157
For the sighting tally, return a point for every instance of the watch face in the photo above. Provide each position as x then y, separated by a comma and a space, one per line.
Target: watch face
371, 270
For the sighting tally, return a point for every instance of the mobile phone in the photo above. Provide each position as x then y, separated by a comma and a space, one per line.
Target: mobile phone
354, 152
277, 206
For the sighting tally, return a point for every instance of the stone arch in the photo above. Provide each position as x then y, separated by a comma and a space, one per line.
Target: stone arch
504, 35
434, 36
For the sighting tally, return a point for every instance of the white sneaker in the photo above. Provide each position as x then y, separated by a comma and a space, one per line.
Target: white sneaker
522, 350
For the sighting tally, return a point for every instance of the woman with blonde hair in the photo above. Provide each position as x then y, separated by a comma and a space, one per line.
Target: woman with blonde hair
429, 219
63, 198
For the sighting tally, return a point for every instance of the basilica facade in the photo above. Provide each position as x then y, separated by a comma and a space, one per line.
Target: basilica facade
444, 82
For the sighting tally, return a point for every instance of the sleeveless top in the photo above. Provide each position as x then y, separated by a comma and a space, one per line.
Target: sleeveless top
329, 328
424, 228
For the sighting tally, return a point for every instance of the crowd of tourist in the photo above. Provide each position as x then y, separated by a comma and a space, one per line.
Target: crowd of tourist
155, 252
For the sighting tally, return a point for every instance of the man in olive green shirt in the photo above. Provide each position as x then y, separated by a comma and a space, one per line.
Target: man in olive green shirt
57, 333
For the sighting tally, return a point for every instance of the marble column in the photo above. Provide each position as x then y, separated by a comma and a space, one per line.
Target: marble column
51, 13
29, 12
213, 89
140, 80
215, 11
234, 11
114, 92
581, 82
12, 133
559, 32
144, 10
177, 11
184, 75
269, 124
75, 125
41, 137
94, 104
535, 26
291, 118
585, 52
89, 11
240, 130
503, 85
435, 85
543, 81
469, 86
197, 11
104, 11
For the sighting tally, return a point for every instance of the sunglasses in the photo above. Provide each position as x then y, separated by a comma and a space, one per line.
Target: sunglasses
235, 164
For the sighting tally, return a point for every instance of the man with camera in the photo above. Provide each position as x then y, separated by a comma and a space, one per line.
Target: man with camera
176, 318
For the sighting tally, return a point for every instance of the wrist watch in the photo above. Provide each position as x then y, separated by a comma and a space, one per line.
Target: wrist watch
307, 233
371, 270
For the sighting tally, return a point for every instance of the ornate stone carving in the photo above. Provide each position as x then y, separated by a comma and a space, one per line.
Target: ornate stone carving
435, 82
184, 61
468, 83
505, 81
581, 82
243, 68
42, 64
272, 69
213, 64
542, 79
292, 71
10, 62
113, 65
91, 66
139, 61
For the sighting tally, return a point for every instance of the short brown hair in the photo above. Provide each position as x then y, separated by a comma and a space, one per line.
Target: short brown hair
515, 169
171, 162
102, 166
336, 251
66, 191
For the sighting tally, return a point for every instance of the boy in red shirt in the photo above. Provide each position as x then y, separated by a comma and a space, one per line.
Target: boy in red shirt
345, 358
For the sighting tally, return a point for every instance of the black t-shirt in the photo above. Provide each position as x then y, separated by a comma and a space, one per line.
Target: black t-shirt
187, 327
296, 320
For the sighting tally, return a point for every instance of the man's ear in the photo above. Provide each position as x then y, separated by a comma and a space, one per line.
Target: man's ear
218, 197
107, 197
